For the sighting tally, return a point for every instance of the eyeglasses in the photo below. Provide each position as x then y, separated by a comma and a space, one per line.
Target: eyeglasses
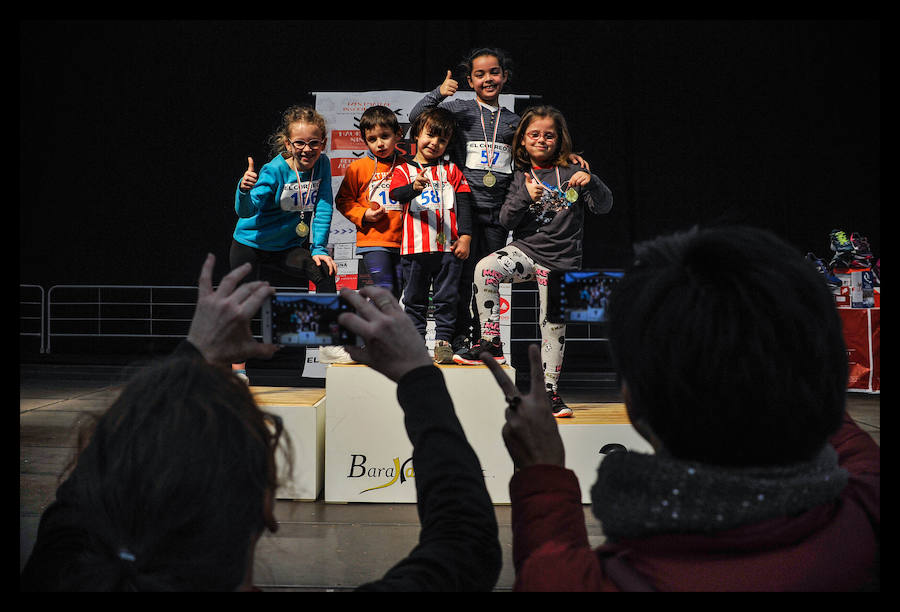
313, 144
548, 136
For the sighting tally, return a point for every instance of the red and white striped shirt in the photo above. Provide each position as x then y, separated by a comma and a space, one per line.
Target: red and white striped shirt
430, 219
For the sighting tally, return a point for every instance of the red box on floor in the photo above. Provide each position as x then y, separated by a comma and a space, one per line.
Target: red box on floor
862, 335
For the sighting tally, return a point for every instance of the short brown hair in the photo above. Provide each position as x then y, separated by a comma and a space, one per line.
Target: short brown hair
378, 116
439, 119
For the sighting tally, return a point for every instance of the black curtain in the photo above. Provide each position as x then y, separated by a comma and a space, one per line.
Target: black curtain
133, 134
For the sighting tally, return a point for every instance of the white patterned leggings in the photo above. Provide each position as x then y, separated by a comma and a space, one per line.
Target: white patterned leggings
511, 265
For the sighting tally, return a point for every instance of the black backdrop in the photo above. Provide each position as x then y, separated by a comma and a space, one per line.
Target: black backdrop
133, 134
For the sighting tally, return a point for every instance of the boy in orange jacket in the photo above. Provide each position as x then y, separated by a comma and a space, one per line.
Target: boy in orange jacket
364, 199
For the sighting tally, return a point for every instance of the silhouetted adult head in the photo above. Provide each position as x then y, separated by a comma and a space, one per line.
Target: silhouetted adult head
730, 348
175, 485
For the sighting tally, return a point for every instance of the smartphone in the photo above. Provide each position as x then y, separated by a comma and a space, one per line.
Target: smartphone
581, 296
298, 320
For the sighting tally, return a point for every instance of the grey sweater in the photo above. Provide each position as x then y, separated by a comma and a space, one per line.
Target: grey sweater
551, 231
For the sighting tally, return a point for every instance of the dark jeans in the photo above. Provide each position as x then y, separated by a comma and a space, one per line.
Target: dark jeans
385, 269
288, 268
442, 271
487, 236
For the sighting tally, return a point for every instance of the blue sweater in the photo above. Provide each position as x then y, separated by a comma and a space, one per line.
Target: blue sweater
268, 214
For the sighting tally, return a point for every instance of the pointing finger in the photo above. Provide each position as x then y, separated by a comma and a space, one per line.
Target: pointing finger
204, 284
506, 385
537, 370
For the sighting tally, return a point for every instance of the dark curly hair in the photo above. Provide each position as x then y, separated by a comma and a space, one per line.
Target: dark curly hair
730, 346
506, 63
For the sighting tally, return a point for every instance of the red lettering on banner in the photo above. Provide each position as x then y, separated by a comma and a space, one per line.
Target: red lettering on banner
406, 148
504, 305
357, 106
339, 165
347, 140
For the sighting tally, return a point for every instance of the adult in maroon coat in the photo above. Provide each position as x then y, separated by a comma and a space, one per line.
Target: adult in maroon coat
733, 367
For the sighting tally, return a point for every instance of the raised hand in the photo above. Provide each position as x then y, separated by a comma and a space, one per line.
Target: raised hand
220, 328
421, 182
449, 86
531, 434
535, 189
393, 347
250, 176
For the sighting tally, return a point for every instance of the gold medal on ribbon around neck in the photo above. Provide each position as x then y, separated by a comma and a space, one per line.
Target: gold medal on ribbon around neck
571, 194
302, 229
489, 180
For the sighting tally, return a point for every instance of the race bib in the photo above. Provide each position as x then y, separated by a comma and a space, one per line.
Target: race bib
379, 194
292, 197
431, 200
478, 157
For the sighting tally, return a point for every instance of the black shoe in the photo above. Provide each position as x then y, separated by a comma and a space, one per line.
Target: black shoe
557, 405
472, 355
460, 344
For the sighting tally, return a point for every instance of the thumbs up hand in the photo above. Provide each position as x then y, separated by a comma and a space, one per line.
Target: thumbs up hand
535, 190
250, 177
449, 86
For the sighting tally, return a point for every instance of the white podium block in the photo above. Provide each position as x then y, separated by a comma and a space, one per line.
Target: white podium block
585, 435
302, 412
368, 456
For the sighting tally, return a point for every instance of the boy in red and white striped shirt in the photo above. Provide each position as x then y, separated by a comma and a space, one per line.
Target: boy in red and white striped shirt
437, 206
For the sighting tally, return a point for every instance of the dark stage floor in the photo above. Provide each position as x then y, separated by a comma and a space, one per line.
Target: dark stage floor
319, 546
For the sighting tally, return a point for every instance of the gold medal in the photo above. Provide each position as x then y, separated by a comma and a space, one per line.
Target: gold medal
489, 180
441, 238
571, 194
302, 229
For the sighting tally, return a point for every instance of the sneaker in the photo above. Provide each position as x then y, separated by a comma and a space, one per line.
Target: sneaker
841, 260
483, 345
460, 344
862, 252
833, 281
443, 352
860, 244
242, 374
334, 354
840, 243
557, 405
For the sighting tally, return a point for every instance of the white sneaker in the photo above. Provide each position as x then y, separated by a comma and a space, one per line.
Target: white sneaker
242, 374
334, 354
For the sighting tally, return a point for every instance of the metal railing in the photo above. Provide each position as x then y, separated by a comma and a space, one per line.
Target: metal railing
32, 307
528, 308
162, 311
119, 311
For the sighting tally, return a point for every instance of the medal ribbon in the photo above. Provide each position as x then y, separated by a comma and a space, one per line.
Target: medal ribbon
375, 171
305, 199
308, 196
484, 132
545, 185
